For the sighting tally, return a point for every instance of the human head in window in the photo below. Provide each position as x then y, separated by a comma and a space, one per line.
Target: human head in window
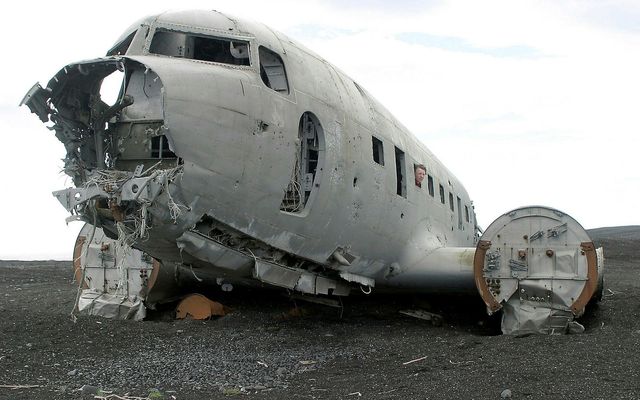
420, 172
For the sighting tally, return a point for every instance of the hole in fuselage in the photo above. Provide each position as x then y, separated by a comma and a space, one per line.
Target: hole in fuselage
111, 87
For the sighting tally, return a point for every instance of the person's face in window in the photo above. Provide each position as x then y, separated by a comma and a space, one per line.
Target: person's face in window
420, 173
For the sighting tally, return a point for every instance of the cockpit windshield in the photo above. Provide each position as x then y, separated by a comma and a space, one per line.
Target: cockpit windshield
198, 47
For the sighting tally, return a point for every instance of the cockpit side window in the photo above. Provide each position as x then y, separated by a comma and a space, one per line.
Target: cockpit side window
121, 48
203, 48
272, 71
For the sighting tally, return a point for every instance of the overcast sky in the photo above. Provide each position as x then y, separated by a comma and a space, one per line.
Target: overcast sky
527, 102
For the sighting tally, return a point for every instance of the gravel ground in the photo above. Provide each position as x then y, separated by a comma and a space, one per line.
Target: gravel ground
271, 347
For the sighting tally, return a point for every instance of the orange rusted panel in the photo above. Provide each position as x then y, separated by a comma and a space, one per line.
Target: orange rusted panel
197, 306
481, 284
591, 284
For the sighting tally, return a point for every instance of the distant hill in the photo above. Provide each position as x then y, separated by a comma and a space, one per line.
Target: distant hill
616, 232
619, 242
23, 263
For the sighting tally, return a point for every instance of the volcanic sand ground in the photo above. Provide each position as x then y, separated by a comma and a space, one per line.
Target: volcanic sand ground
268, 348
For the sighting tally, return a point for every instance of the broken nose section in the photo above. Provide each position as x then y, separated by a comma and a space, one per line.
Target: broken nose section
36, 99
540, 267
109, 114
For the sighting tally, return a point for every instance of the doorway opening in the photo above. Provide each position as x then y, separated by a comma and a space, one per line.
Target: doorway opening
308, 165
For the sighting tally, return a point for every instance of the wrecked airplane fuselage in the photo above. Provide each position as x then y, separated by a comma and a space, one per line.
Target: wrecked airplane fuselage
238, 155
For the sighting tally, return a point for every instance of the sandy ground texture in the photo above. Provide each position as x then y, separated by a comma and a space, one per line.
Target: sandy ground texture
271, 347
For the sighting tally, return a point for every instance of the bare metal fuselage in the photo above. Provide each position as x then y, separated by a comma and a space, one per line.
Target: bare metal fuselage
235, 152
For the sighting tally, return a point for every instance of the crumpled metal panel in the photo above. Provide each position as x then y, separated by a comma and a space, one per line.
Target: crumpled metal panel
276, 275
215, 253
299, 280
111, 267
116, 279
331, 287
315, 284
363, 280
521, 318
95, 302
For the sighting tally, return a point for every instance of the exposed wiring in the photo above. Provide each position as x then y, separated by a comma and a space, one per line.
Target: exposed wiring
293, 199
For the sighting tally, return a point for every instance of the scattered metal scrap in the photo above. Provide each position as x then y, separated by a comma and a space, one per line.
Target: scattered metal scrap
416, 360
13, 387
435, 319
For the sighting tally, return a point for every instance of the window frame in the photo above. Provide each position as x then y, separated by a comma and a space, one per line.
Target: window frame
378, 145
401, 172
264, 77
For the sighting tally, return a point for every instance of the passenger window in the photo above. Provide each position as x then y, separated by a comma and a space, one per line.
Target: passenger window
451, 201
466, 213
459, 204
401, 184
430, 185
441, 194
272, 71
378, 153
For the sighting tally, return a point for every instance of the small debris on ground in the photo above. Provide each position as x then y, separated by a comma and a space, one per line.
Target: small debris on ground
435, 319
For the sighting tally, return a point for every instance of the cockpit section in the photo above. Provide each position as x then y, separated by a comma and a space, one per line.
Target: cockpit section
199, 47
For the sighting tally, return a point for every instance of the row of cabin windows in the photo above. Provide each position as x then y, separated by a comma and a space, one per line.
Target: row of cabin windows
401, 189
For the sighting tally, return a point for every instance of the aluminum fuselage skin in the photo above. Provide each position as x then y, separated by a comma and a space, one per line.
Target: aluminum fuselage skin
238, 141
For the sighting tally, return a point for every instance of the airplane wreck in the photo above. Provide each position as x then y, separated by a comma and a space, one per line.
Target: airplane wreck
235, 156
